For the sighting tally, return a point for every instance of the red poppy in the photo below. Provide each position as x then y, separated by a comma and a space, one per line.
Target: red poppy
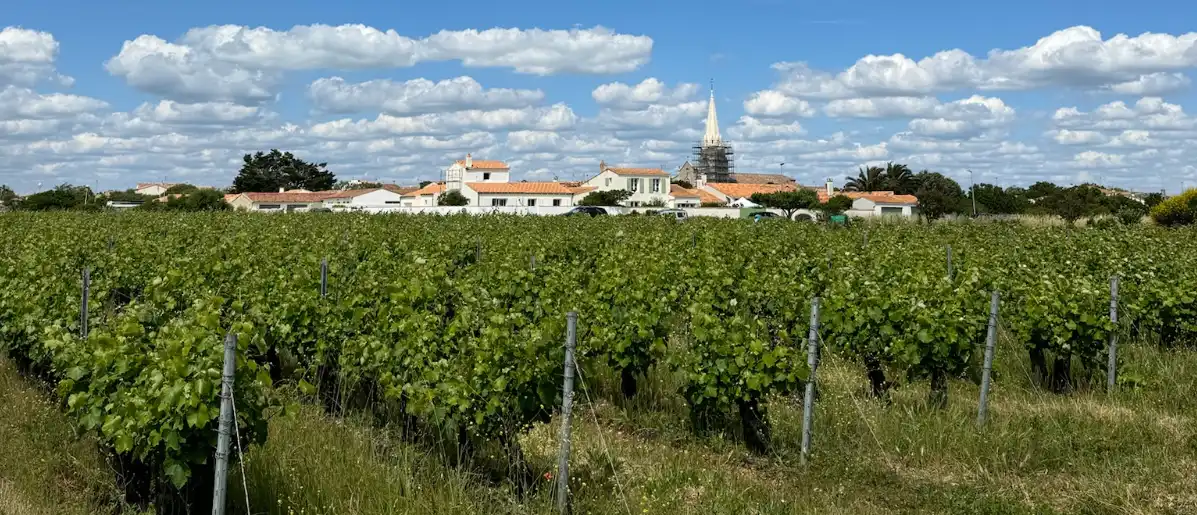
548, 476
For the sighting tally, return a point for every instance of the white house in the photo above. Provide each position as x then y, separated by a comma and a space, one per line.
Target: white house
883, 203
520, 194
425, 196
278, 202
681, 197
357, 199
155, 189
471, 170
647, 185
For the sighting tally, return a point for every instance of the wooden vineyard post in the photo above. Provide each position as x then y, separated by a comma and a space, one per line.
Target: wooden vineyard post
567, 401
1112, 371
324, 277
812, 362
990, 342
532, 261
83, 316
226, 424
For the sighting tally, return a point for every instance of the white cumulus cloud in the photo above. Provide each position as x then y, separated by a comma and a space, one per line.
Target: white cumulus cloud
416, 96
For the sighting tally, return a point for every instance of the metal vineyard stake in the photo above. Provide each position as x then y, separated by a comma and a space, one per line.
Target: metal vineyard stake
567, 401
990, 342
812, 362
226, 424
1112, 372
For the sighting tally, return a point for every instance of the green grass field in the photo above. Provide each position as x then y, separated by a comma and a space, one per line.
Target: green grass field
1133, 452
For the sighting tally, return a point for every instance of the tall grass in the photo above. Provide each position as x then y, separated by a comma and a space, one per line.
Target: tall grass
1089, 452
44, 467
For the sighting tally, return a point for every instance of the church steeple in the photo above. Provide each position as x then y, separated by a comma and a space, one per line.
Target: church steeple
712, 137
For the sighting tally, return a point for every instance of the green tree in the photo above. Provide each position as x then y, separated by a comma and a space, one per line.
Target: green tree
684, 184
129, 195
1075, 203
180, 188
869, 179
899, 179
1042, 189
1153, 199
425, 183
837, 205
452, 198
605, 198
359, 185
7, 195
938, 195
1177, 211
264, 172
63, 196
994, 199
788, 202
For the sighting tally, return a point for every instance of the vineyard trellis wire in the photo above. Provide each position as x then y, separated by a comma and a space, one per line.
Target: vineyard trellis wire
411, 310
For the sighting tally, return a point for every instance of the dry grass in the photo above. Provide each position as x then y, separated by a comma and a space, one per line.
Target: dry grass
44, 466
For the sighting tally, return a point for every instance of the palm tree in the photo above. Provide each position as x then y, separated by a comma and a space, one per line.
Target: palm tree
869, 179
899, 178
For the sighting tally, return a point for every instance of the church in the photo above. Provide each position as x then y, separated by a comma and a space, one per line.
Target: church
714, 162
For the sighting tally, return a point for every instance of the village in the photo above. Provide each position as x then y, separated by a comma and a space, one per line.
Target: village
707, 185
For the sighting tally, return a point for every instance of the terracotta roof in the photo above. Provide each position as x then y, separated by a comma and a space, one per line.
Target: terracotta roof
761, 178
582, 189
402, 190
543, 188
737, 190
228, 197
141, 185
312, 196
705, 197
484, 164
636, 171
880, 197
431, 189
678, 191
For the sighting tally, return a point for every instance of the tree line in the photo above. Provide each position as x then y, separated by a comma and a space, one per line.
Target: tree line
939, 195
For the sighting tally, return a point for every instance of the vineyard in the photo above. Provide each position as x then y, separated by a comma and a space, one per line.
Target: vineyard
454, 326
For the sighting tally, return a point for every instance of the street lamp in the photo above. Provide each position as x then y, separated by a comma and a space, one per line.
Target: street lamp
972, 191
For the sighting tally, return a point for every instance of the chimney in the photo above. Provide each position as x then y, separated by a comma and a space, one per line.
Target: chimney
602, 166
469, 161
830, 188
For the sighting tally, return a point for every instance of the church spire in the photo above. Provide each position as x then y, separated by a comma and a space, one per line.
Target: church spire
711, 137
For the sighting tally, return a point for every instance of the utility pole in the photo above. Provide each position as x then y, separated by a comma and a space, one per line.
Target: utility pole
972, 191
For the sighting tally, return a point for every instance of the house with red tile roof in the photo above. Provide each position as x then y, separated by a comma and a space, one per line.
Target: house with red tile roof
473, 170
523, 194
647, 185
283, 201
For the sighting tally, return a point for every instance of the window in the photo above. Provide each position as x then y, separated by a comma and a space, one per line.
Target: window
486, 176
556, 202
633, 185
607, 182
498, 202
393, 202
891, 210
656, 186
531, 202
265, 207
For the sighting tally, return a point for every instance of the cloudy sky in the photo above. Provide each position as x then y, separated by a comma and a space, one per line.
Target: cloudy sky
1064, 90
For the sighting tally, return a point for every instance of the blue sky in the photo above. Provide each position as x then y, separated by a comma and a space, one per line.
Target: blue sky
209, 81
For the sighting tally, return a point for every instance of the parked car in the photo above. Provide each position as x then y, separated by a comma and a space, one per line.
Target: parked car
763, 215
679, 214
586, 211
